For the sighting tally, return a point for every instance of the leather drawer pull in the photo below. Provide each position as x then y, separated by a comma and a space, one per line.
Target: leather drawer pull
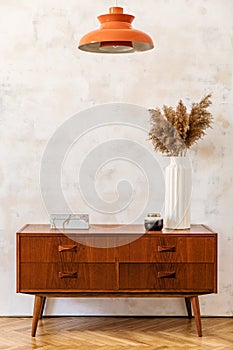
67, 248
68, 274
171, 248
167, 274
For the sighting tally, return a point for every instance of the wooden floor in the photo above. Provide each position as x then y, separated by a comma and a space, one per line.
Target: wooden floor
116, 333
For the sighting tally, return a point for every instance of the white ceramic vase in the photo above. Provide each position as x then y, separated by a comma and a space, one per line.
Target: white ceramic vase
178, 186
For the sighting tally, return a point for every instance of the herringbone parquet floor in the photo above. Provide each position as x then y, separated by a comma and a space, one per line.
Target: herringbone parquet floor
116, 333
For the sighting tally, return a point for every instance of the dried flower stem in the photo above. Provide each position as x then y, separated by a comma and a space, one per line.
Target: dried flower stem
173, 131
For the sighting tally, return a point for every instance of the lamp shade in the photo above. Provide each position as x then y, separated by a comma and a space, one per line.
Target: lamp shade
115, 35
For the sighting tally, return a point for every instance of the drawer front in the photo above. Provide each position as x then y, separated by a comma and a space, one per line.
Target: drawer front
167, 277
145, 249
42, 277
64, 249
169, 249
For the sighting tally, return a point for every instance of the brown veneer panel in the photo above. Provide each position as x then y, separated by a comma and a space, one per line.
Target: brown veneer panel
45, 276
187, 249
190, 277
46, 249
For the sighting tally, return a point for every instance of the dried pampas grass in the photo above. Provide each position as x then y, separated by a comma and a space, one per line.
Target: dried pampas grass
173, 131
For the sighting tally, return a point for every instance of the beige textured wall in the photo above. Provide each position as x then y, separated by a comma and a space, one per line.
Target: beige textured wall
44, 80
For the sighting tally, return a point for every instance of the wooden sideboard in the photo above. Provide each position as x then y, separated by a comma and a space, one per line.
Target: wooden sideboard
116, 261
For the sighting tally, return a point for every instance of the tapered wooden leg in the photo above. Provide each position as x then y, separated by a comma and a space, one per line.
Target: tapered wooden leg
42, 308
197, 315
36, 313
188, 307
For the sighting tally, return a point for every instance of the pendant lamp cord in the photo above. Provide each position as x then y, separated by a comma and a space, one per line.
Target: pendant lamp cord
116, 3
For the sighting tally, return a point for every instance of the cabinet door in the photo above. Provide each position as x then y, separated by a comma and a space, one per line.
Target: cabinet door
67, 277
167, 277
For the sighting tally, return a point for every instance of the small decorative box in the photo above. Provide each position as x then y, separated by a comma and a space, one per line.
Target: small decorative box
69, 221
153, 222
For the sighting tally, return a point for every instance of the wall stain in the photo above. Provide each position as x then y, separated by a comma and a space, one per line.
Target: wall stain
225, 123
206, 151
225, 188
202, 11
224, 75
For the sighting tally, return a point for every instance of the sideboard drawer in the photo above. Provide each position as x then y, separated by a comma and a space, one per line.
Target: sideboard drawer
63, 249
164, 248
49, 277
167, 277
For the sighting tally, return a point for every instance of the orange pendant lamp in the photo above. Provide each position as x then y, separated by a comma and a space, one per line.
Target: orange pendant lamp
115, 35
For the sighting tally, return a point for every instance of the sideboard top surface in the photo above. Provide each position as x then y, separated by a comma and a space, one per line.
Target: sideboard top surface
99, 229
